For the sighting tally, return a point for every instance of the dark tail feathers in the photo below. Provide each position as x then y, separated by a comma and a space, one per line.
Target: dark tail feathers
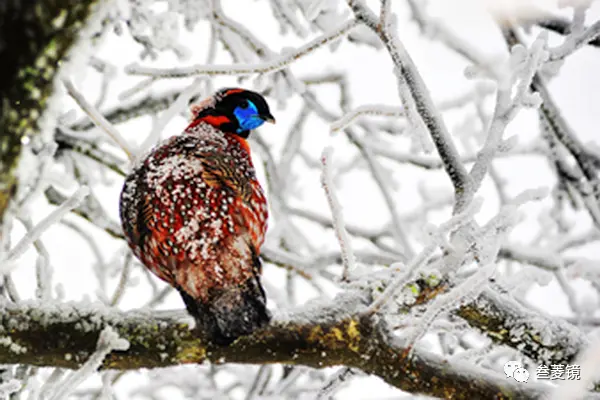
232, 312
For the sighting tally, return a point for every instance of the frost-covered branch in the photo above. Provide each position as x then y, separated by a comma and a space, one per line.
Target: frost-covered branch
272, 65
14, 253
427, 112
344, 240
543, 339
469, 288
420, 259
556, 128
525, 65
438, 30
98, 119
70, 335
374, 109
562, 26
89, 209
127, 110
575, 41
398, 112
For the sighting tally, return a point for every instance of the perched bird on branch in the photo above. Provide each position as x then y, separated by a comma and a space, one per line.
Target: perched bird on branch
194, 214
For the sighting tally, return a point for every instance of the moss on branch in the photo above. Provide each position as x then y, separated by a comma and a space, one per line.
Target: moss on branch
543, 339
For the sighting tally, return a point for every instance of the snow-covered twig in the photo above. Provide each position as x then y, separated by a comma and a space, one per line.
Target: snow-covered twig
8, 388
273, 65
406, 70
464, 217
562, 26
138, 87
108, 341
468, 289
41, 227
344, 240
334, 383
398, 112
371, 109
563, 131
438, 30
525, 67
43, 270
123, 280
575, 41
98, 119
291, 148
179, 104
259, 383
385, 12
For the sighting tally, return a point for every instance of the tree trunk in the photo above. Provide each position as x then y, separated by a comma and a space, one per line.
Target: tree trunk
34, 37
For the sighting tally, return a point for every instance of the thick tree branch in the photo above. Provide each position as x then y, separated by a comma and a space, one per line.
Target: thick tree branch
34, 36
66, 336
544, 339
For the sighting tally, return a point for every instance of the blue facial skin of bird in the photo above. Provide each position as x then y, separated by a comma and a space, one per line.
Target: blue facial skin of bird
248, 117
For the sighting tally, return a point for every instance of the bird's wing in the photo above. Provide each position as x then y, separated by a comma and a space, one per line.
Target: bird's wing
144, 219
141, 224
224, 173
219, 172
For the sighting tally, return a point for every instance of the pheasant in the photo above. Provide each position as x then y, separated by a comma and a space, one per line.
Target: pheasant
195, 215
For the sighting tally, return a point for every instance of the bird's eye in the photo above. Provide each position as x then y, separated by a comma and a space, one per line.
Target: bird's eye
244, 104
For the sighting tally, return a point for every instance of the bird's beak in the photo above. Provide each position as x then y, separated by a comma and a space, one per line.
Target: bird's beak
269, 118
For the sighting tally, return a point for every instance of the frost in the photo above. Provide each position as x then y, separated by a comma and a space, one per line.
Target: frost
276, 64
10, 387
12, 346
36, 232
108, 341
348, 259
465, 291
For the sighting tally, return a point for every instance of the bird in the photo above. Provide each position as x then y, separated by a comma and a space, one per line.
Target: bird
194, 214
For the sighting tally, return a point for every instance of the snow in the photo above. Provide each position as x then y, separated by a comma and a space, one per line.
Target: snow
108, 341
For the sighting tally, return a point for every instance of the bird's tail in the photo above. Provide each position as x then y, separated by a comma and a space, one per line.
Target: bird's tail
231, 312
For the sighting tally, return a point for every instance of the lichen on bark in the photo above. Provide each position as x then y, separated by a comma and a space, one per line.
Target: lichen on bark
66, 335
35, 35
